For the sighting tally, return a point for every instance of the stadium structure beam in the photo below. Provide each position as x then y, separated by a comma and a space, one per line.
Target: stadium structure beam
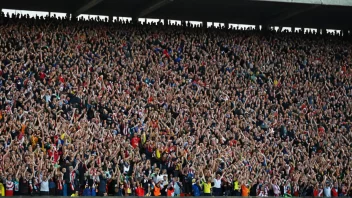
153, 7
289, 15
316, 2
87, 6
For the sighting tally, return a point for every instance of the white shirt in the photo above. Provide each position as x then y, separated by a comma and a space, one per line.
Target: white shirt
44, 186
327, 191
276, 189
217, 183
160, 177
126, 169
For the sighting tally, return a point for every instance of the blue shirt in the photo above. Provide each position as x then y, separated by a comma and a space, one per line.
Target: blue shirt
94, 193
87, 192
102, 185
196, 190
119, 193
177, 189
52, 184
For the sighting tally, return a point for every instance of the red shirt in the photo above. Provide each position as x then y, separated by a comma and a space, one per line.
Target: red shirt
169, 192
140, 192
57, 155
171, 149
61, 79
150, 148
150, 99
42, 75
296, 194
334, 192
166, 53
344, 69
127, 154
155, 124
232, 143
135, 141
315, 193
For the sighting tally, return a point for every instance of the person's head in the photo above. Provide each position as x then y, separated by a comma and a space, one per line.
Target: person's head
234, 177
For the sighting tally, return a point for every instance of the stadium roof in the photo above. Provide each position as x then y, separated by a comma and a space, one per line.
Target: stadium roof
330, 14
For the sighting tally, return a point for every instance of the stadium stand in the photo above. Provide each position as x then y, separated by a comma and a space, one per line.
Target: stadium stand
94, 109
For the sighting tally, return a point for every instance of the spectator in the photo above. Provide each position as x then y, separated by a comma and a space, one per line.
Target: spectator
129, 109
44, 185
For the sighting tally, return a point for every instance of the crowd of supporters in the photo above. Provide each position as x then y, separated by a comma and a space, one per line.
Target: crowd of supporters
95, 108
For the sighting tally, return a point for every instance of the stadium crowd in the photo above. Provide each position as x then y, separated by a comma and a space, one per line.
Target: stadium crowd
95, 109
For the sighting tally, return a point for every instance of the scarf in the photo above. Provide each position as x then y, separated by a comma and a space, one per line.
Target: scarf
72, 180
125, 130
59, 185
320, 194
169, 164
190, 173
98, 161
30, 186
9, 185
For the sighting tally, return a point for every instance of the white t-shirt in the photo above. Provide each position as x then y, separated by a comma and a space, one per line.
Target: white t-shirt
126, 169
276, 189
160, 177
327, 191
44, 186
217, 183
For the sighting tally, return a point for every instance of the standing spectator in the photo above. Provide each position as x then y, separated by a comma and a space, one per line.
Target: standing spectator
245, 190
9, 186
24, 184
196, 189
207, 187
327, 187
217, 191
44, 185
140, 190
